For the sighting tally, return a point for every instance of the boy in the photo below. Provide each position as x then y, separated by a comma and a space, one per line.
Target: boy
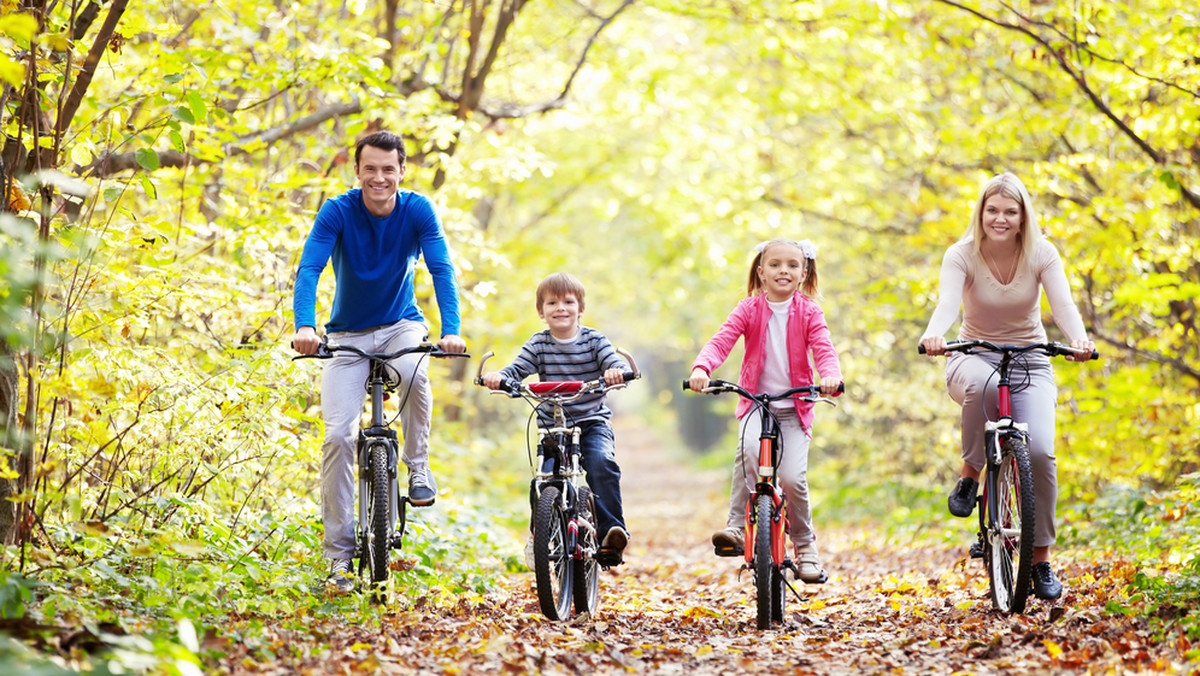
567, 350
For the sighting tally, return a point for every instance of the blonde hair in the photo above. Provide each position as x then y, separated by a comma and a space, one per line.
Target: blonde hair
1028, 235
559, 284
808, 287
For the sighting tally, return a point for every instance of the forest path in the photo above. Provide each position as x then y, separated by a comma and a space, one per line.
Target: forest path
674, 608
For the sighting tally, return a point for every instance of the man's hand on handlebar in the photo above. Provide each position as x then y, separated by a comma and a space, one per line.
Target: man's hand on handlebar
452, 343
306, 340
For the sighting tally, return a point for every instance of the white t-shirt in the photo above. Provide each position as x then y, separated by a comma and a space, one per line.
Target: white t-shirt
776, 374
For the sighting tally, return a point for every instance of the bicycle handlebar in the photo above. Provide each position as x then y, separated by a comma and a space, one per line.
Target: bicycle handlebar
562, 390
810, 392
327, 350
1050, 349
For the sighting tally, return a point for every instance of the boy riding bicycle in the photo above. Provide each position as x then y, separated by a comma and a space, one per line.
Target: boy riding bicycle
567, 350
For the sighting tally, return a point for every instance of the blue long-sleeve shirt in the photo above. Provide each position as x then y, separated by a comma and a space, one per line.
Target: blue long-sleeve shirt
374, 259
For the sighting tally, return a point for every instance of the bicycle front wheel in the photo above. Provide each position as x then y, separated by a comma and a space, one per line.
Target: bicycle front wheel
1009, 550
764, 582
587, 571
378, 543
552, 563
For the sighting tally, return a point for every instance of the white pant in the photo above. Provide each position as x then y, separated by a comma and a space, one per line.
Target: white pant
343, 391
792, 473
972, 382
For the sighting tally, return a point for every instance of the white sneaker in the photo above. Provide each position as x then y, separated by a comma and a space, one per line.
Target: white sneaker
529, 553
341, 577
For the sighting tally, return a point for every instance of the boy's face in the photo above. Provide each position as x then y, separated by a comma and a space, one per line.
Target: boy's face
561, 314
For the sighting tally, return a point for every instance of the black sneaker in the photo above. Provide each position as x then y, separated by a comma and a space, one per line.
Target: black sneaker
341, 577
962, 499
976, 549
422, 488
1045, 585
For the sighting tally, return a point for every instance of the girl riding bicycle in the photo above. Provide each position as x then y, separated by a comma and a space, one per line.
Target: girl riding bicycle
996, 273
781, 323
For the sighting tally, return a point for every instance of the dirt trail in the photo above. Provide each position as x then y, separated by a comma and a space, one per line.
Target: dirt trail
674, 608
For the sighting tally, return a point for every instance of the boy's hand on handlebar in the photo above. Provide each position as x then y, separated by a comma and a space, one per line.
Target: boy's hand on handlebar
934, 345
829, 386
1084, 349
452, 343
492, 380
698, 381
306, 340
614, 377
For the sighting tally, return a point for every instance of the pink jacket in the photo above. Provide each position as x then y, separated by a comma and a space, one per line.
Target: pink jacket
806, 331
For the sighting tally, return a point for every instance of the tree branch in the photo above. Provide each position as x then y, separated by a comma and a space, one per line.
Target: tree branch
88, 71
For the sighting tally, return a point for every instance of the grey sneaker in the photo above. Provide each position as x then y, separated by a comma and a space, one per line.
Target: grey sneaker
729, 538
422, 487
341, 577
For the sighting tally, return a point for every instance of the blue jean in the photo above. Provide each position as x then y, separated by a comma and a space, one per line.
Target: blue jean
598, 457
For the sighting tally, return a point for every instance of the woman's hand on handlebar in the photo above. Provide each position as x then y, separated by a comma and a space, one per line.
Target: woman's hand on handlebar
934, 346
1083, 350
306, 340
452, 343
698, 381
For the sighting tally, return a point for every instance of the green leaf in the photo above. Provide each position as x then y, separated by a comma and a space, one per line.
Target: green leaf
185, 115
176, 140
199, 110
148, 187
147, 158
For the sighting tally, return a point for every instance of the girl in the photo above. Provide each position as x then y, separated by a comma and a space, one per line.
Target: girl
781, 323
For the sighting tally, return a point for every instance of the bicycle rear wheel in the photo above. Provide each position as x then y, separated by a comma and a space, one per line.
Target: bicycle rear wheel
378, 545
552, 563
763, 580
779, 587
587, 571
1009, 547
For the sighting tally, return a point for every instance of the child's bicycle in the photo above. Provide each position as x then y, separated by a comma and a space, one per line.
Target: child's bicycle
1006, 506
381, 508
566, 547
766, 550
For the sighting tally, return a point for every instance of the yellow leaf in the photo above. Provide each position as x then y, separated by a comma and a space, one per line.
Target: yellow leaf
963, 605
360, 646
1053, 648
704, 650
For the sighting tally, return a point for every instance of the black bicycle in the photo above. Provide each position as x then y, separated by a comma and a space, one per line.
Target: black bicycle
766, 548
566, 547
1007, 504
381, 508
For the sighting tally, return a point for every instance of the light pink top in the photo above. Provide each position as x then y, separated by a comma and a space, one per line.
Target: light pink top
1008, 314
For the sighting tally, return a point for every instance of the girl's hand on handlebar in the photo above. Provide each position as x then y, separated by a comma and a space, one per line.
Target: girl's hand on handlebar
698, 381
306, 340
614, 377
452, 343
829, 386
1084, 349
934, 346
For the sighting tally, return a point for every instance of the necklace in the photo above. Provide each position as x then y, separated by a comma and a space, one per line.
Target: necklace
996, 268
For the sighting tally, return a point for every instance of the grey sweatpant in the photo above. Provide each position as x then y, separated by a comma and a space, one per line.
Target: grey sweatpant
793, 473
972, 382
343, 391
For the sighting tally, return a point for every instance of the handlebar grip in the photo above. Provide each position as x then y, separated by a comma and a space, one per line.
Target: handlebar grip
841, 388
686, 385
629, 376
920, 349
1095, 354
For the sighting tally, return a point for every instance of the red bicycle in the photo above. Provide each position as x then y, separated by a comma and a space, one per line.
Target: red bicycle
766, 549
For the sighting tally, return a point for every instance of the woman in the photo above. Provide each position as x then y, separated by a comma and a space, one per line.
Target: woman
996, 273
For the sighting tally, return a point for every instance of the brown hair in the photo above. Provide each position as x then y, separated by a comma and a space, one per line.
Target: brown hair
808, 287
559, 284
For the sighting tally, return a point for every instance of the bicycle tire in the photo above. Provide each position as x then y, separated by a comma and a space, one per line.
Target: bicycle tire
587, 571
378, 547
1009, 551
552, 563
779, 587
763, 581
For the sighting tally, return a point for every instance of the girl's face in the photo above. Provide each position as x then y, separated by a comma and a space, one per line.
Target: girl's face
782, 270
561, 314
1001, 219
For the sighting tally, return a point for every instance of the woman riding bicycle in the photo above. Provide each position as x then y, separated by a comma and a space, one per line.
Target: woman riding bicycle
996, 273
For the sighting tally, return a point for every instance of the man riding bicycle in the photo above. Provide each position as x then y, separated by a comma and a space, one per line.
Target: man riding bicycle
374, 234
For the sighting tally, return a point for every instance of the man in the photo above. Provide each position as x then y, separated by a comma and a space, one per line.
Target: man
374, 234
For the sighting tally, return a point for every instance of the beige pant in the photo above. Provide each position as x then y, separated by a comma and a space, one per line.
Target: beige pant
972, 382
793, 473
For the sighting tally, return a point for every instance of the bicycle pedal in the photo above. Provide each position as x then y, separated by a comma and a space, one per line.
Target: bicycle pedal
608, 558
729, 551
